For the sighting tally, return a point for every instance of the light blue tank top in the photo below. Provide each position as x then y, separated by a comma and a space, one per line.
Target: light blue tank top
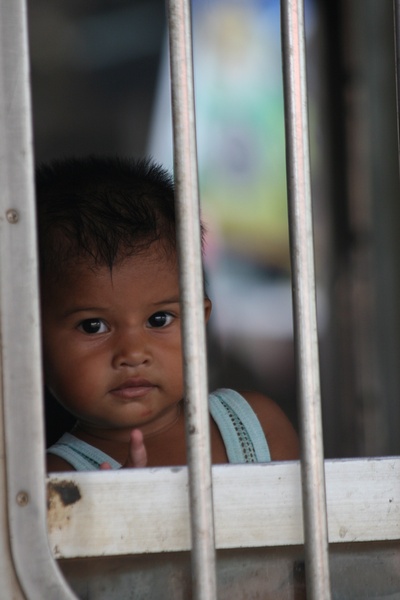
238, 424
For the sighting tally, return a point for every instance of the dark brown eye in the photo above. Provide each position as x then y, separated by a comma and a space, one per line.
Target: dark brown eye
92, 326
160, 319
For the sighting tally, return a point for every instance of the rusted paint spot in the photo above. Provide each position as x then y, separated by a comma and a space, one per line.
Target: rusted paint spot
62, 495
67, 491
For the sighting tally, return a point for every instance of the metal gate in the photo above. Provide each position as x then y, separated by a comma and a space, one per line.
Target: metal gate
142, 524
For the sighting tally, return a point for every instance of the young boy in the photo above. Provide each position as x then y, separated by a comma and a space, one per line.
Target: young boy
111, 326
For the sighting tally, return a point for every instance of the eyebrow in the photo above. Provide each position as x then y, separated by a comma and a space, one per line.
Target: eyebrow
175, 300
78, 309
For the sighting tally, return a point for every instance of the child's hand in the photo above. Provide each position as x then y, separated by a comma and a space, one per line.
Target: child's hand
137, 456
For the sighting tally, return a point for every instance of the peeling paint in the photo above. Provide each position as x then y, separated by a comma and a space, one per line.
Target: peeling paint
68, 491
62, 496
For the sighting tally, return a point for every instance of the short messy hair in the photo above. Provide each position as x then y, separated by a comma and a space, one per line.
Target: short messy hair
102, 209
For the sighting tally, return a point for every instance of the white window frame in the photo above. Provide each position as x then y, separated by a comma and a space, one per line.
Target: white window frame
137, 511
147, 510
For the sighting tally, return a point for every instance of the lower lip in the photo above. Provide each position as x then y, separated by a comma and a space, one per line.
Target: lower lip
132, 392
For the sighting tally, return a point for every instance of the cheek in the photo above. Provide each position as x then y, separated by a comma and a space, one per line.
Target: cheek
51, 368
55, 359
167, 354
63, 357
58, 377
72, 387
175, 365
63, 373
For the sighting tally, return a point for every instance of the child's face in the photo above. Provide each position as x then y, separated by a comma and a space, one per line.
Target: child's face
112, 342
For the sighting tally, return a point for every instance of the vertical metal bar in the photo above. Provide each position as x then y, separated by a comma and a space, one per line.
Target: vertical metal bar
193, 332
20, 334
304, 299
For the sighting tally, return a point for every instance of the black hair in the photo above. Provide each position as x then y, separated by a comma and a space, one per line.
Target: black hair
102, 209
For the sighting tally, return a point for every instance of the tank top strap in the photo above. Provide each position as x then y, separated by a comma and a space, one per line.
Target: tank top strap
80, 455
239, 426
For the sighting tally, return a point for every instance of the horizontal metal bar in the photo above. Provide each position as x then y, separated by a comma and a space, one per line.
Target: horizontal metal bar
255, 506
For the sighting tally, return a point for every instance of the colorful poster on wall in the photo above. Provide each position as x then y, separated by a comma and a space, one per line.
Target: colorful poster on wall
240, 124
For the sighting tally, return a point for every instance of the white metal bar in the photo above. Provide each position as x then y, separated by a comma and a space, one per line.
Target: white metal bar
363, 500
10, 587
304, 298
192, 296
21, 371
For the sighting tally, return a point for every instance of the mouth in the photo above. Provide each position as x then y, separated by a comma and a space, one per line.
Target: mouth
133, 388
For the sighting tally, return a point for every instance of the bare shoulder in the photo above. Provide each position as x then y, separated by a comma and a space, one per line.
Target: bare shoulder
56, 463
282, 438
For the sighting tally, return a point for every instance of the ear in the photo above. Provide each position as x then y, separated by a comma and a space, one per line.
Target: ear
207, 309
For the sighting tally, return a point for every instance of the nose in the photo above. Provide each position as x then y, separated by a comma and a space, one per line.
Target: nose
131, 349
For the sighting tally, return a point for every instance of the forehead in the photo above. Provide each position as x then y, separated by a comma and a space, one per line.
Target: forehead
149, 270
62, 251
73, 263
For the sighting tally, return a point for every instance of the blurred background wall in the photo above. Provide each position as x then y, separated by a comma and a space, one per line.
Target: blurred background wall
100, 85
